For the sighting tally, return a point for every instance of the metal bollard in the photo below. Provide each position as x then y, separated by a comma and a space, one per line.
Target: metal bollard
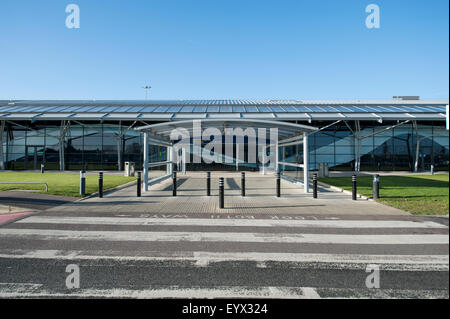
243, 184
42, 169
315, 185
432, 169
354, 189
139, 184
100, 184
221, 193
208, 183
174, 181
83, 183
376, 187
278, 184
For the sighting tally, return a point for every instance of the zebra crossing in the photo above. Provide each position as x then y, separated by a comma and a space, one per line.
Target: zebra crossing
240, 255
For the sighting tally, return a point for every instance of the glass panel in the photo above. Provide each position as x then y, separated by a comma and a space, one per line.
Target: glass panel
213, 109
226, 109
148, 109
238, 109
200, 109
252, 109
187, 109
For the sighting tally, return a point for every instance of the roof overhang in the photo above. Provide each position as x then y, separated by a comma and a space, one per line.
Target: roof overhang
162, 131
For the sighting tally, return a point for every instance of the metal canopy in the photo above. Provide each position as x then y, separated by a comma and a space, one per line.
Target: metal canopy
286, 130
158, 110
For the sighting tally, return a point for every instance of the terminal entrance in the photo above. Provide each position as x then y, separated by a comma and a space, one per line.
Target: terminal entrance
230, 145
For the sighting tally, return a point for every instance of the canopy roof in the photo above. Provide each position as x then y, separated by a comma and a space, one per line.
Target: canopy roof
162, 131
165, 110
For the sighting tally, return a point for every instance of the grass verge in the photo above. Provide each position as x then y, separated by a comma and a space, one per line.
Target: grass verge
417, 194
59, 183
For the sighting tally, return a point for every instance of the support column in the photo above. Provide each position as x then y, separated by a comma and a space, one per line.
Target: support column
277, 159
237, 157
119, 148
183, 159
2, 157
62, 137
145, 162
416, 162
169, 157
305, 163
357, 146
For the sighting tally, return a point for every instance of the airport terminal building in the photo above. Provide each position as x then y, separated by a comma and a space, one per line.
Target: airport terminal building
400, 134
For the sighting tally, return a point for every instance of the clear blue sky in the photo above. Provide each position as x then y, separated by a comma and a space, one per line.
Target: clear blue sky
219, 49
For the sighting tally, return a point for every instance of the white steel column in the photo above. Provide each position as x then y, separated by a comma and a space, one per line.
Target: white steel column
237, 157
305, 163
277, 159
2, 158
183, 159
416, 162
169, 157
145, 162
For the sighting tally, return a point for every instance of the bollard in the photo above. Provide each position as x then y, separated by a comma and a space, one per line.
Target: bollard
278, 184
376, 187
221, 193
354, 187
83, 183
208, 183
243, 184
139, 184
432, 169
42, 168
315, 185
174, 181
100, 184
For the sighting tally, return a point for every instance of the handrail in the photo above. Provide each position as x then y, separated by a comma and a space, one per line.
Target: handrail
46, 185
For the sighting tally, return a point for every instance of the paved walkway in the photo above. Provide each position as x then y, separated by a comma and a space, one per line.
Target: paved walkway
260, 198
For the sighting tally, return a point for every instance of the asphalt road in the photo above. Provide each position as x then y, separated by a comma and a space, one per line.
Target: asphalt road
137, 255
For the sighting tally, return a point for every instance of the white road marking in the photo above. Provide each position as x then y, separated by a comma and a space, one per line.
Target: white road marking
203, 259
55, 234
231, 222
178, 292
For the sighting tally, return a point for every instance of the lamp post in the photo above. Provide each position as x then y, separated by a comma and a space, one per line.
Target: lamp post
146, 88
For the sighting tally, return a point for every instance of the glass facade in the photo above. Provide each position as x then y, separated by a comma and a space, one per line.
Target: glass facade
86, 146
96, 146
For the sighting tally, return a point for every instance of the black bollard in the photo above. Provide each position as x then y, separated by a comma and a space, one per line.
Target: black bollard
278, 184
376, 186
242, 183
100, 184
83, 183
208, 183
139, 184
354, 187
315, 185
42, 168
174, 180
221, 193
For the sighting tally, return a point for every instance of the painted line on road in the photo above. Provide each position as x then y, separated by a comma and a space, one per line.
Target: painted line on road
231, 222
204, 259
177, 292
47, 234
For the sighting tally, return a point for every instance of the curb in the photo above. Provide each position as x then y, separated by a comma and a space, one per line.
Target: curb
28, 214
338, 189
109, 191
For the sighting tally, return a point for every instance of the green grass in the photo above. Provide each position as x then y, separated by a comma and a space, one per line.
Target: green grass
59, 183
417, 194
